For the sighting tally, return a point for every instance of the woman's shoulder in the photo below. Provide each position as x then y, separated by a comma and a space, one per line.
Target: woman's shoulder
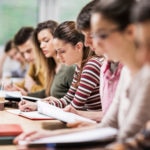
144, 74
95, 60
68, 69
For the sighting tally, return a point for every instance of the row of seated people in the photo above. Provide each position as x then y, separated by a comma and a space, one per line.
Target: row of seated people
107, 74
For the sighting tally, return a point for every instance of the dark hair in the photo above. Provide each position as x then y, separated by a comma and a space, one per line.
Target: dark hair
23, 35
117, 11
49, 63
68, 33
141, 11
8, 46
84, 17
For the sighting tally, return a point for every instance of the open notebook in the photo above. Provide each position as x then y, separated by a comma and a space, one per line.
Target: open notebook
60, 114
77, 138
33, 115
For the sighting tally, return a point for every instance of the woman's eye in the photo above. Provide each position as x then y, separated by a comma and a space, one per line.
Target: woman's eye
46, 40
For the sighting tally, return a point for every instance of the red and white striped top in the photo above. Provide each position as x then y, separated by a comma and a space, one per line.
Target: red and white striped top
86, 96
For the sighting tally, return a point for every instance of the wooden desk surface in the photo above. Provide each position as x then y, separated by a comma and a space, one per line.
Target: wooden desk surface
27, 124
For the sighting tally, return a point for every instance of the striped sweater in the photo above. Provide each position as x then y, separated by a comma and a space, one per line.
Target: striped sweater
86, 96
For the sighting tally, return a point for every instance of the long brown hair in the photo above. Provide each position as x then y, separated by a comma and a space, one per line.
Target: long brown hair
48, 64
68, 33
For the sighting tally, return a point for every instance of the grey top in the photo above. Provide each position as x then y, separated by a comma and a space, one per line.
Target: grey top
61, 83
130, 109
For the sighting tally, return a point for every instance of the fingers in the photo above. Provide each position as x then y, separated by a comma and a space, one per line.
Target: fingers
74, 124
78, 124
22, 105
67, 108
70, 108
34, 136
27, 106
23, 136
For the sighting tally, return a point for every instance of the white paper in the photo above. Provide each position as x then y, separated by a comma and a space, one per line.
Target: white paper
16, 94
98, 134
59, 114
31, 115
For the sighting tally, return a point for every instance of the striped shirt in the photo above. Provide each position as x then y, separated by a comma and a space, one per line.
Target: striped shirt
86, 96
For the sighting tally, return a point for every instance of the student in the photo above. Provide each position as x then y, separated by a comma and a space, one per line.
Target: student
34, 79
58, 76
83, 25
110, 70
84, 91
113, 30
12, 52
141, 18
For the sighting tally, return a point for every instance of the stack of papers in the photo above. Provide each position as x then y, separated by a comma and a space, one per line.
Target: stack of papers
92, 135
60, 114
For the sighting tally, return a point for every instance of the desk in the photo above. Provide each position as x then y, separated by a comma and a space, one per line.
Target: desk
27, 125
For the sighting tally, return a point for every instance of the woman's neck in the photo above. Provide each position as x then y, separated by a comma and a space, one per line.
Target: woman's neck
131, 62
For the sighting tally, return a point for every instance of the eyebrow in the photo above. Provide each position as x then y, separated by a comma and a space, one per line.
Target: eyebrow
101, 29
44, 38
29, 49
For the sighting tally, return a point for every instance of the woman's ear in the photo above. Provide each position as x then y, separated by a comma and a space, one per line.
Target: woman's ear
130, 32
79, 46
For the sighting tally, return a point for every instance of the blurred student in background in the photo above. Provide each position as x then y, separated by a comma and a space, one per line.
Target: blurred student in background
35, 78
12, 52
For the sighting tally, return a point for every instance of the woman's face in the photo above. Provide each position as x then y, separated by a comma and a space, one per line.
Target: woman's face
66, 52
107, 38
142, 41
45, 39
89, 42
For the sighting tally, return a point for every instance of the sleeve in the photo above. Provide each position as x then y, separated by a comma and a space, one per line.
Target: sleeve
138, 114
39, 79
21, 84
39, 94
64, 101
89, 81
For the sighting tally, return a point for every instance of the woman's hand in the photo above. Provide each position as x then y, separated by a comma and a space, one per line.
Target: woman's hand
50, 99
27, 106
79, 124
31, 135
69, 108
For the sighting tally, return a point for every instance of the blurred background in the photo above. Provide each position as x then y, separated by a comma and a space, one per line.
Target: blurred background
17, 13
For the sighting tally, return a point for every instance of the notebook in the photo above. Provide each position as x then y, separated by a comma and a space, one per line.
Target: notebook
95, 135
58, 113
8, 132
33, 115
10, 129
